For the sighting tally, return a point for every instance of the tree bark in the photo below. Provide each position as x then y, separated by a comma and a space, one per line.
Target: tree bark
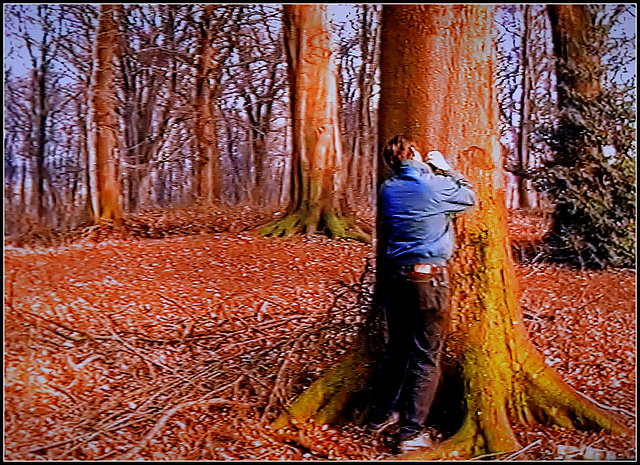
578, 67
107, 188
437, 88
318, 171
207, 172
524, 184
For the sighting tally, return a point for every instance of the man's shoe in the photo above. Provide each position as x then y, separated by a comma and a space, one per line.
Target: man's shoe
422, 441
379, 428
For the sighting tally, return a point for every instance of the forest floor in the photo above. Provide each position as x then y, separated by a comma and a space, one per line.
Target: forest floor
187, 347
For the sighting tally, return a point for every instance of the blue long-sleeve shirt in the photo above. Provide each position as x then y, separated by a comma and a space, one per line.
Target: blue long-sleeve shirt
416, 207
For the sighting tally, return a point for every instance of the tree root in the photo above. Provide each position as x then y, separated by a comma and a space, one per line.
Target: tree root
539, 395
329, 222
552, 400
326, 399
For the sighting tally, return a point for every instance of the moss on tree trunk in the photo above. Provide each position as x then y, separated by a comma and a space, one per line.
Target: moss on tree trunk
329, 221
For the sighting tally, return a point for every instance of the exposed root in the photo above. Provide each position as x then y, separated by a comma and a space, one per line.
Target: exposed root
552, 400
486, 430
325, 400
328, 222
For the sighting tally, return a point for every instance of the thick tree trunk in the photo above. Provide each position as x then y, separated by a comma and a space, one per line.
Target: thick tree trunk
104, 124
437, 88
578, 67
318, 171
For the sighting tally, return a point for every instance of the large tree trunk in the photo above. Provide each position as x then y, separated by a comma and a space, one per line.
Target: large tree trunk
578, 66
437, 88
104, 131
318, 172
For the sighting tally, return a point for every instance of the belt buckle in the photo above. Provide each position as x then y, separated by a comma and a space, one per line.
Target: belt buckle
423, 268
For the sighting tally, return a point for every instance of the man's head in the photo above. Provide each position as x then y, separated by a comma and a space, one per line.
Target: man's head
398, 149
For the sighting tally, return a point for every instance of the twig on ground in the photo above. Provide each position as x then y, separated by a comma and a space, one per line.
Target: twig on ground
277, 384
168, 413
515, 454
607, 407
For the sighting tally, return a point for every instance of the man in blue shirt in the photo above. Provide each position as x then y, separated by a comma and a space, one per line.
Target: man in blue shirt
415, 207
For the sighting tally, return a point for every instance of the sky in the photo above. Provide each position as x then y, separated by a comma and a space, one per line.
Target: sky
16, 58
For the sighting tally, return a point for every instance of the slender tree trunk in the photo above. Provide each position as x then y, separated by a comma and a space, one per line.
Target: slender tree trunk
524, 184
437, 88
104, 128
207, 181
318, 170
23, 191
88, 212
41, 116
370, 50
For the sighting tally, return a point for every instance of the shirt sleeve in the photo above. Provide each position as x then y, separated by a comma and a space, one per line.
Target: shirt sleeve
454, 193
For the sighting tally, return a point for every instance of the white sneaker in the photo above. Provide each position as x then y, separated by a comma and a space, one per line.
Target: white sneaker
422, 441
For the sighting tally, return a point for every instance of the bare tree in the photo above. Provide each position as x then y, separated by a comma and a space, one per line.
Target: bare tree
104, 127
37, 27
318, 171
359, 56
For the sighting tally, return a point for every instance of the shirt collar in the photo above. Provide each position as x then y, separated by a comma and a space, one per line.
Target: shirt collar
409, 167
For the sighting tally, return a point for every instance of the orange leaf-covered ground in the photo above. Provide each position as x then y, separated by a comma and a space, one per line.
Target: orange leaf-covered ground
185, 348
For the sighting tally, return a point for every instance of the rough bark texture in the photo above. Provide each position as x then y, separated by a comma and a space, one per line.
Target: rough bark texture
107, 188
318, 169
503, 379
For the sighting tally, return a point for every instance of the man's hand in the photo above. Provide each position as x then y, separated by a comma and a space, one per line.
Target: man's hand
436, 159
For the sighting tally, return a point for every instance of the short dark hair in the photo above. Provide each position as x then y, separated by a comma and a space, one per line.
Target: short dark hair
396, 150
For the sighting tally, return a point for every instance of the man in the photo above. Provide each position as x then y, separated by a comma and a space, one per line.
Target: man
415, 208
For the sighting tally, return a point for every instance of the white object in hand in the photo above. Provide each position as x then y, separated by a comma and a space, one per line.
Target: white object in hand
436, 159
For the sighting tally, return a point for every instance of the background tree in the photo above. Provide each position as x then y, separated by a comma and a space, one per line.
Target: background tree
104, 126
592, 172
359, 74
208, 66
437, 88
155, 80
525, 77
76, 47
256, 81
38, 30
318, 178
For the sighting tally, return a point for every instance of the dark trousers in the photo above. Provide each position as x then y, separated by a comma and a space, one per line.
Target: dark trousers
417, 313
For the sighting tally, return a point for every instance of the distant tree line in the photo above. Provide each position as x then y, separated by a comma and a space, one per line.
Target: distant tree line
194, 84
